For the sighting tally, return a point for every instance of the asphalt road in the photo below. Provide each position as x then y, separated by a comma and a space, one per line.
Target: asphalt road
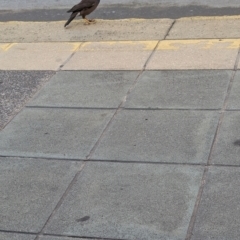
120, 12
54, 10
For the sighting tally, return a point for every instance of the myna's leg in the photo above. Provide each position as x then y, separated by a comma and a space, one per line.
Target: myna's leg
88, 21
92, 20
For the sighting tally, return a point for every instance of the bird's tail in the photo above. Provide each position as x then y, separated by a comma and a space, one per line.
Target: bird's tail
73, 15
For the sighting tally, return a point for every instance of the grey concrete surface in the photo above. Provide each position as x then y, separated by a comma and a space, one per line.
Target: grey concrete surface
218, 215
16, 88
127, 201
159, 136
103, 89
180, 90
14, 236
228, 142
30, 190
65, 134
234, 99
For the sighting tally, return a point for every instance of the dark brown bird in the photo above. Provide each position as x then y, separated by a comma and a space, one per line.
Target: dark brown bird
84, 8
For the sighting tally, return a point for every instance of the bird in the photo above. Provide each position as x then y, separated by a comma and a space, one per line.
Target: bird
83, 8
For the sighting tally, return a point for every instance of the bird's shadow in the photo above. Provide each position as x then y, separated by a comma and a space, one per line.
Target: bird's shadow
237, 143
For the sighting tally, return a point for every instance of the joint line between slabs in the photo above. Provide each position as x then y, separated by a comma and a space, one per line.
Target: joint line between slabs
224, 107
214, 142
69, 58
119, 108
43, 158
41, 233
196, 206
154, 50
17, 232
70, 108
150, 56
118, 162
79, 237
170, 28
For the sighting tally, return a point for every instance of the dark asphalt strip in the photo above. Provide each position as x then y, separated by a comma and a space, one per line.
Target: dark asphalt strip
16, 88
119, 12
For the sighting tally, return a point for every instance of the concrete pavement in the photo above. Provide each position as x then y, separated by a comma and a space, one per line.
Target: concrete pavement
226, 27
108, 134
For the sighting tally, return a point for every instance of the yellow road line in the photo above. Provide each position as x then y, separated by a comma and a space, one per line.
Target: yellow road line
137, 45
144, 45
75, 45
7, 46
200, 43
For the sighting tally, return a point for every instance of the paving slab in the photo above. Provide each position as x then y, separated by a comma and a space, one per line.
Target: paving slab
112, 55
218, 214
104, 89
228, 142
205, 27
159, 136
13, 236
64, 238
36, 56
103, 30
180, 90
30, 190
127, 201
234, 98
16, 88
53, 133
195, 54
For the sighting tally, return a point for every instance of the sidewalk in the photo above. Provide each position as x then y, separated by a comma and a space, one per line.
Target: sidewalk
125, 129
